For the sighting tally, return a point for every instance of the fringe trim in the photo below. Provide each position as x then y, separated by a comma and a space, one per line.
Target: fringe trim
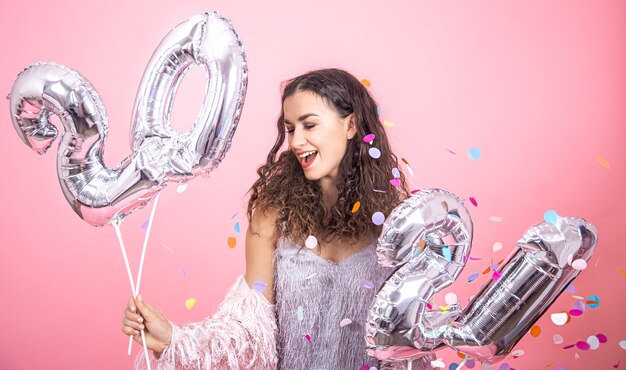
240, 335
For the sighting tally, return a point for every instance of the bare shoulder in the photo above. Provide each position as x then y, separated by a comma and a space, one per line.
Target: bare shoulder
261, 238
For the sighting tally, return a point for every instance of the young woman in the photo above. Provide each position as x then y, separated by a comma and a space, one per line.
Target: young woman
310, 247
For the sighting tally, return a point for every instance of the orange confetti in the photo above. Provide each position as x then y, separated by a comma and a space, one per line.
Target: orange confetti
356, 206
388, 123
461, 355
622, 271
232, 242
421, 243
535, 331
366, 82
603, 162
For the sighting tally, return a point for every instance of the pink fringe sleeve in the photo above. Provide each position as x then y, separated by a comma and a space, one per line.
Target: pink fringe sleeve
241, 335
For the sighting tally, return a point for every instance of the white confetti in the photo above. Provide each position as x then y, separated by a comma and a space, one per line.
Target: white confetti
594, 342
622, 343
311, 242
495, 218
182, 187
559, 319
579, 264
451, 299
557, 339
300, 313
345, 322
497, 246
437, 364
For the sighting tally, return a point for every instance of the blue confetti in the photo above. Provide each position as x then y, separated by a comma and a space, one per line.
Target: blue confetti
472, 277
145, 224
396, 173
259, 286
237, 228
474, 153
446, 253
595, 301
551, 217
453, 366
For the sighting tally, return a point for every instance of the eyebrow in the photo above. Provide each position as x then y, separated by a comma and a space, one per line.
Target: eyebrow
302, 117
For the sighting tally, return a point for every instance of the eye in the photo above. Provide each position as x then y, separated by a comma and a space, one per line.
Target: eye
309, 126
289, 130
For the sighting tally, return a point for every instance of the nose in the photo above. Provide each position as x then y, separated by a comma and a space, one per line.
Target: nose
297, 138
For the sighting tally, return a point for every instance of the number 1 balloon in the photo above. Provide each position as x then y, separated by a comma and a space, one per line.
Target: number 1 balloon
99, 194
398, 325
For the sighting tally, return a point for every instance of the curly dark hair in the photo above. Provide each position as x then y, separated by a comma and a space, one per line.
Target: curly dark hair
298, 202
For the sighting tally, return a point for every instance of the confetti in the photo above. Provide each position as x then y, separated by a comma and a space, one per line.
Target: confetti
496, 275
438, 364
378, 218
369, 138
474, 153
603, 162
395, 172
408, 167
472, 277
366, 82
356, 206
345, 322
451, 299
237, 229
453, 366
579, 264
497, 246
580, 306
310, 276
368, 284
602, 338
145, 224
535, 331
622, 271
388, 123
189, 303
308, 337
593, 301
551, 217
473, 201
232, 242
182, 271
374, 153
311, 242
235, 214
575, 312
557, 339
571, 288
495, 218
379, 191
475, 258
470, 364
559, 319
182, 187
446, 253
451, 152
259, 286
622, 344
395, 182
300, 313
593, 342
617, 364
504, 366
518, 353
584, 346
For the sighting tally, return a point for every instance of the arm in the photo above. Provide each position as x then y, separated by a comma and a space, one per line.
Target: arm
242, 333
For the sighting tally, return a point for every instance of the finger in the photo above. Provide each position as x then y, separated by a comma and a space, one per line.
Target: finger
131, 305
129, 331
146, 310
132, 324
133, 316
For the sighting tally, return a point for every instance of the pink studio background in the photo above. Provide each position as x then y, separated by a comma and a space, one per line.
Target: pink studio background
539, 87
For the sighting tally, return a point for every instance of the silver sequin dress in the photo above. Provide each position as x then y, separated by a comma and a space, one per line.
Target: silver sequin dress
322, 306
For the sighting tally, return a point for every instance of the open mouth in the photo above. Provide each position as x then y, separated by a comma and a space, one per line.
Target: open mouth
307, 158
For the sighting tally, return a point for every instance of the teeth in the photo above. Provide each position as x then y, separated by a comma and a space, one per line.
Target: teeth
306, 154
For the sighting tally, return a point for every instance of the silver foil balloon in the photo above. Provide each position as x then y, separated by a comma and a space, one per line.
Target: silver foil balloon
99, 194
531, 280
429, 237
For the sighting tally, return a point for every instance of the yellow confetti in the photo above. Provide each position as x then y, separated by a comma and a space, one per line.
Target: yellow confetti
603, 162
356, 206
388, 123
232, 242
190, 303
366, 82
444, 308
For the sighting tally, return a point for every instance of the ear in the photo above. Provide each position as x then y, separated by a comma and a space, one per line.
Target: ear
351, 126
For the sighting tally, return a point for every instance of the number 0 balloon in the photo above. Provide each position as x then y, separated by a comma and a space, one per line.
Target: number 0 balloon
99, 194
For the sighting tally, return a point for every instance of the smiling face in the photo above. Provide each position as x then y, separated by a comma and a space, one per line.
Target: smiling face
317, 135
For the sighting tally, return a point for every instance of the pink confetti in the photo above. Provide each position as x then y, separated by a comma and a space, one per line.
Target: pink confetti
395, 182
570, 346
582, 345
369, 138
575, 312
496, 275
475, 259
451, 151
308, 337
474, 202
602, 338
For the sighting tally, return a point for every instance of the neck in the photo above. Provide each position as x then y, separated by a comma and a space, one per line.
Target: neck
329, 191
